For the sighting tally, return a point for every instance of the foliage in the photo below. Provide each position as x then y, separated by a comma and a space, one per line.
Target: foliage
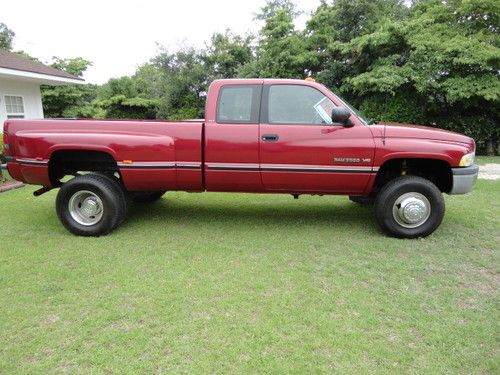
434, 63
340, 22
281, 49
76, 66
226, 54
124, 98
69, 100
389, 107
6, 40
119, 106
6, 37
444, 57
185, 83
431, 62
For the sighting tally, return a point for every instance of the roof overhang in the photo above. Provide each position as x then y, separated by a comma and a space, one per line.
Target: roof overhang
42, 79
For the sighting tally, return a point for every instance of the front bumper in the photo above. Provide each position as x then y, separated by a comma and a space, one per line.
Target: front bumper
464, 179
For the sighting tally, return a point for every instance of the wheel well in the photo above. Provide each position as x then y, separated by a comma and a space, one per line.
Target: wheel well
434, 170
70, 162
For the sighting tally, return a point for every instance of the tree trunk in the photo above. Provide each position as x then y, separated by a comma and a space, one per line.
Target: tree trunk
490, 150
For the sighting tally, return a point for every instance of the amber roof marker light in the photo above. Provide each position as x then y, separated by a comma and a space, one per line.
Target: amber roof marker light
309, 79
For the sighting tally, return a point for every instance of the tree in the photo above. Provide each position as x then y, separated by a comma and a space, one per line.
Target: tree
333, 25
128, 97
444, 58
281, 50
69, 100
184, 83
148, 80
227, 54
6, 37
75, 66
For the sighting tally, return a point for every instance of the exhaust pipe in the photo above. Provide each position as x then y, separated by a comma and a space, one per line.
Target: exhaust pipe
41, 191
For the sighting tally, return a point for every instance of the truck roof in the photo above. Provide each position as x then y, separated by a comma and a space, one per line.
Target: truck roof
263, 80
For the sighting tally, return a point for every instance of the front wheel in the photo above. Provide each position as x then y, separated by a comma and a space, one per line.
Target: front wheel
409, 207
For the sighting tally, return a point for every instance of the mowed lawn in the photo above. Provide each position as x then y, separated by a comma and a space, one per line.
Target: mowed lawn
242, 283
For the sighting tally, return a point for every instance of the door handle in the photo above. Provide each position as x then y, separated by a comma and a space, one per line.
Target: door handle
270, 137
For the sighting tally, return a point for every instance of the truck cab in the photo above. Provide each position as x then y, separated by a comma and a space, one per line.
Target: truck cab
286, 138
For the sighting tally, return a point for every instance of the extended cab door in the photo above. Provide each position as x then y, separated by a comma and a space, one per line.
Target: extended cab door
232, 136
301, 150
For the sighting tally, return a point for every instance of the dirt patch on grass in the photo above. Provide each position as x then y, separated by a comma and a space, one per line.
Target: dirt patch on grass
489, 171
50, 320
127, 326
482, 280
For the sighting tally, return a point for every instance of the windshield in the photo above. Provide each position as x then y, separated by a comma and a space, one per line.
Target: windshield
358, 113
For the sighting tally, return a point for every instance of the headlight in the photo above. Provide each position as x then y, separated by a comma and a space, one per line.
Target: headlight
468, 159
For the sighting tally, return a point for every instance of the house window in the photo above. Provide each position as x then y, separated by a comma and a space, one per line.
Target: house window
14, 106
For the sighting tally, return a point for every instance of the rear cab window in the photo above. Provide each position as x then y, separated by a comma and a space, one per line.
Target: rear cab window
239, 104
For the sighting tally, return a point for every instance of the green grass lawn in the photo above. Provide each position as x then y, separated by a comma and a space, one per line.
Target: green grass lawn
228, 283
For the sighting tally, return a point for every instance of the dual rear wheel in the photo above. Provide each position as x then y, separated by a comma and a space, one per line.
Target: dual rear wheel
95, 204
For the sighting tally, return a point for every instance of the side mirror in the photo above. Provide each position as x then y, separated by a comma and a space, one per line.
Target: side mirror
341, 116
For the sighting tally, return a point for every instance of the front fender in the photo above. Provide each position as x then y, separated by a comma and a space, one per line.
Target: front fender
404, 148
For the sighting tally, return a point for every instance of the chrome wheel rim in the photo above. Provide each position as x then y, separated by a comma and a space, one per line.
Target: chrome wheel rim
86, 207
411, 210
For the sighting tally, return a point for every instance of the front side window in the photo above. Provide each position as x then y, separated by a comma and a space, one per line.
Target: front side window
239, 104
14, 106
297, 104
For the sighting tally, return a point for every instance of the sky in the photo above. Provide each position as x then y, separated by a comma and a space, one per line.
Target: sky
118, 36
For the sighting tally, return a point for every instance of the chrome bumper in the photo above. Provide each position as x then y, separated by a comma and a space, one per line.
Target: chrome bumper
3, 166
464, 179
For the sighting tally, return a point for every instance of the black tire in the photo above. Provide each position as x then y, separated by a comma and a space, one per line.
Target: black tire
109, 175
119, 183
363, 201
102, 189
389, 212
146, 196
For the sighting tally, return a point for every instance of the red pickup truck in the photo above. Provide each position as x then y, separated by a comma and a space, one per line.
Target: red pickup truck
258, 136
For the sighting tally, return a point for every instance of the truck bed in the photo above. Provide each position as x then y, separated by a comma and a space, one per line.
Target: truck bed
150, 155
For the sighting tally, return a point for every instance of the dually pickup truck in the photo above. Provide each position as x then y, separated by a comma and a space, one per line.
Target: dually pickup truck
258, 136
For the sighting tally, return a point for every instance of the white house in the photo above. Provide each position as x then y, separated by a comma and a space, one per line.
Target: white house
20, 81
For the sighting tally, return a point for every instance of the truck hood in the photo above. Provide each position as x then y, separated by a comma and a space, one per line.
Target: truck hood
398, 130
